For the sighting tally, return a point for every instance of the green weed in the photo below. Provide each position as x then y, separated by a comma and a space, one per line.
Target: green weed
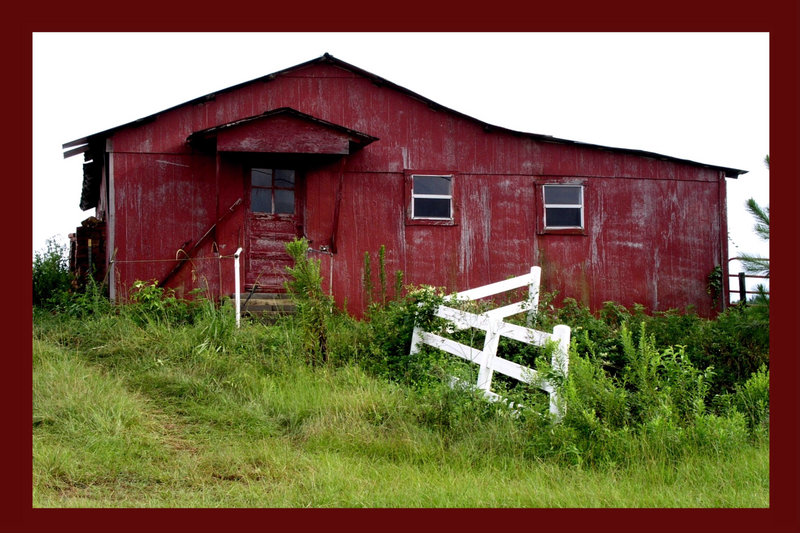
166, 403
313, 306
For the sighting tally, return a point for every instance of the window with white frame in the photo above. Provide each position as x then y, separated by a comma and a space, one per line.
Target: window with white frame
563, 206
432, 197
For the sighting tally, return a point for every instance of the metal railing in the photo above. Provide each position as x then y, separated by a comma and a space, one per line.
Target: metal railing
742, 283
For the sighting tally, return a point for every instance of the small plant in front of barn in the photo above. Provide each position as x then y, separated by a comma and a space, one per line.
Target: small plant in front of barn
314, 307
658, 407
366, 279
151, 304
368, 285
715, 285
398, 283
91, 300
382, 273
662, 380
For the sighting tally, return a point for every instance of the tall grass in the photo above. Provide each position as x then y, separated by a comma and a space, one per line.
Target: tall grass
164, 402
144, 414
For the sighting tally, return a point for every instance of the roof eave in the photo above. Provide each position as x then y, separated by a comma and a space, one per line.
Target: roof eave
328, 58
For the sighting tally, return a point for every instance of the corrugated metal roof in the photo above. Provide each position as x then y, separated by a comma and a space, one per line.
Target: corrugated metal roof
83, 143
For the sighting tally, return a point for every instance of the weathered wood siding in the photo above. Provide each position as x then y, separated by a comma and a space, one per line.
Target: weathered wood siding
654, 229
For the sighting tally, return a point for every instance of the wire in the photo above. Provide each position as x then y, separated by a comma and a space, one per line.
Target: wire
172, 260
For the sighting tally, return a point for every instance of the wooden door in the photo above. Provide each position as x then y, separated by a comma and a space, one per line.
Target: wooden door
273, 219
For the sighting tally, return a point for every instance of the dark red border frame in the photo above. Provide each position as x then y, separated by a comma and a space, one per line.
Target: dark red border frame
779, 18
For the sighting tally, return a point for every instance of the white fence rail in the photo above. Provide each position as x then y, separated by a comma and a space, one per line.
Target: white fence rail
492, 323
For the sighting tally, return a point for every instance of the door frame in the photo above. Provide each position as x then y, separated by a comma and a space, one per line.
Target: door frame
296, 219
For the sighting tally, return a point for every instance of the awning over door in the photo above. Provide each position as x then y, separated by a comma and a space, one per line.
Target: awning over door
282, 131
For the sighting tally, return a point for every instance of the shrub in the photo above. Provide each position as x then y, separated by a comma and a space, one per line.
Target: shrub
150, 303
90, 301
590, 389
314, 307
389, 332
736, 344
52, 280
751, 399
719, 434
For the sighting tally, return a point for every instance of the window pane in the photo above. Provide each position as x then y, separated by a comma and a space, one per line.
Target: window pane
261, 200
284, 201
261, 177
431, 208
562, 195
563, 217
284, 178
432, 185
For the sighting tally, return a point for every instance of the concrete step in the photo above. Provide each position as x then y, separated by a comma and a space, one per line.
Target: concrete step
260, 303
264, 295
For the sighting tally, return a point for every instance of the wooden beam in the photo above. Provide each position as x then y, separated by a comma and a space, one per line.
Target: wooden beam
76, 151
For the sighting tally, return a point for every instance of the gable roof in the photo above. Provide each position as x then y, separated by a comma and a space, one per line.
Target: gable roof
318, 136
82, 144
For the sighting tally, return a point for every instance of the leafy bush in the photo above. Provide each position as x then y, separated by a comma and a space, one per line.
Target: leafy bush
589, 389
719, 434
92, 300
314, 307
751, 399
151, 304
389, 332
52, 280
734, 344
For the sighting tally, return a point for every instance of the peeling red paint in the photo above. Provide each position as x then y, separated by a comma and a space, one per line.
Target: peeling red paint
653, 228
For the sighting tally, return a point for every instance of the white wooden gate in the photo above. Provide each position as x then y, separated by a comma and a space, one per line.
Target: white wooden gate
492, 323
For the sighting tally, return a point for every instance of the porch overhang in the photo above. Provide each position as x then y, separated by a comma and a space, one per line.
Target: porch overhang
281, 131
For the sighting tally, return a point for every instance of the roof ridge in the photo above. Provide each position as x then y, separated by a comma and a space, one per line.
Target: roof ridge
326, 57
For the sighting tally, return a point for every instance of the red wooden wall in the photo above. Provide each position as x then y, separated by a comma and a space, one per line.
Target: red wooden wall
654, 229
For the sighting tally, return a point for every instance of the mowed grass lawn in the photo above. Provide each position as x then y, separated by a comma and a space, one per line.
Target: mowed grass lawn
127, 423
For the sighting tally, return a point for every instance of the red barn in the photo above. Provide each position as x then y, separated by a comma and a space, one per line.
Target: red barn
354, 162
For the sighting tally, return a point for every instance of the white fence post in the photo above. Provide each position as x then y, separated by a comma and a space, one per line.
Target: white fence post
533, 294
560, 365
490, 345
236, 295
415, 340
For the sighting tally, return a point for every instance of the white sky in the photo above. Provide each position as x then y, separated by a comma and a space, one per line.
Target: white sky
698, 96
